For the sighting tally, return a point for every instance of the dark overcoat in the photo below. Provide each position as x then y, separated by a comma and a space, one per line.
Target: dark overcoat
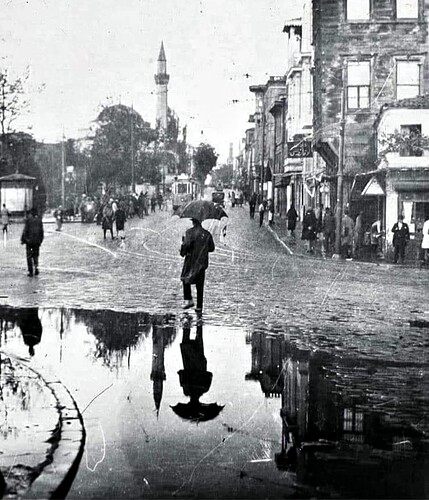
196, 245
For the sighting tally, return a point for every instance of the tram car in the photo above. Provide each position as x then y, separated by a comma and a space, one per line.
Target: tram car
184, 189
218, 195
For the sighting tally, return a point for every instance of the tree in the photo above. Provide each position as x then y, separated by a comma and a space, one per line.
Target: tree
120, 136
205, 159
12, 103
22, 153
223, 174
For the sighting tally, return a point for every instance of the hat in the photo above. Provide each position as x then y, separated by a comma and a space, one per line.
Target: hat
401, 217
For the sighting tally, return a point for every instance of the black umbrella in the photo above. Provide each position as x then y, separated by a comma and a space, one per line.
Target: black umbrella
197, 412
200, 210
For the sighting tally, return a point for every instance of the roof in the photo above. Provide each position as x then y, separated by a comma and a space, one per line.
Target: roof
17, 177
418, 102
161, 56
292, 23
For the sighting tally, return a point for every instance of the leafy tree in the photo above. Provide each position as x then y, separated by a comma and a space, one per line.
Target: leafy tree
121, 133
205, 159
407, 142
223, 174
22, 153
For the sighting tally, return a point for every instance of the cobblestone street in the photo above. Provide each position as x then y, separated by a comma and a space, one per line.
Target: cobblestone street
252, 281
342, 342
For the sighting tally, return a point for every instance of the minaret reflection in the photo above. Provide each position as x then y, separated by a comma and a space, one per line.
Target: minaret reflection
162, 336
195, 379
31, 327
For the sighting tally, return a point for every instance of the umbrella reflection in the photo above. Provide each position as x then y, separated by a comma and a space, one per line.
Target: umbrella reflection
195, 379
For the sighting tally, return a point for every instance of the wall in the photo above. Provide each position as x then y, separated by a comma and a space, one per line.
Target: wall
380, 39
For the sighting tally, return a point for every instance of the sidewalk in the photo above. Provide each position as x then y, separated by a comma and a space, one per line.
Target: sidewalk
41, 433
297, 246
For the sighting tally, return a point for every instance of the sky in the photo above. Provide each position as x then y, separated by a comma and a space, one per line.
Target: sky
89, 53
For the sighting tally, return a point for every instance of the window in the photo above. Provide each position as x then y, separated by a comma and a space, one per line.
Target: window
407, 79
357, 85
407, 9
411, 140
357, 9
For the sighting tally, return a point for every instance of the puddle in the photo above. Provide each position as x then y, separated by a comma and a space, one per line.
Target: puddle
176, 407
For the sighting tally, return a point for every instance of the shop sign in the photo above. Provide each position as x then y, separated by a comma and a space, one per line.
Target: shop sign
299, 149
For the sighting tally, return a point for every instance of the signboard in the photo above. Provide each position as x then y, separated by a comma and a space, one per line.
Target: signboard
299, 149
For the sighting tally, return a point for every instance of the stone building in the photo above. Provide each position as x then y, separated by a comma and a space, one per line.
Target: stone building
264, 147
374, 53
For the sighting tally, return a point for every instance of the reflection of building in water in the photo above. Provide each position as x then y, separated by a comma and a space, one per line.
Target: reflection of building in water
334, 434
267, 356
162, 335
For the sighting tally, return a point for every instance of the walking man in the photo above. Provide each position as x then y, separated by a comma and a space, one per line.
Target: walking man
292, 217
5, 221
32, 237
401, 235
196, 245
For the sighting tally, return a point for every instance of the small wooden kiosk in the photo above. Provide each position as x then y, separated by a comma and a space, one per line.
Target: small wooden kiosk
16, 192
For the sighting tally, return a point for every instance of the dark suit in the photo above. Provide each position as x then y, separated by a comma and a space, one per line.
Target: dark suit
401, 235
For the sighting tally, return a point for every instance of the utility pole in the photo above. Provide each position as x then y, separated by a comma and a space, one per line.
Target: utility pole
63, 166
263, 152
339, 210
133, 183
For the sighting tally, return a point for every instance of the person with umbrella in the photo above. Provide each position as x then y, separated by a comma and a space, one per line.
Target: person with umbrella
195, 379
196, 246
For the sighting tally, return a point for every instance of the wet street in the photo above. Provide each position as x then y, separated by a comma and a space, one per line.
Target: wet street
305, 377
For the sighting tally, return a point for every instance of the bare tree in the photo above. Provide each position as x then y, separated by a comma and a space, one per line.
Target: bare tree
12, 102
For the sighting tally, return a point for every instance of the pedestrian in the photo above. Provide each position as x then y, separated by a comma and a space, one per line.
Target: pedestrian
358, 235
153, 204
261, 209
401, 236
240, 200
32, 237
31, 328
347, 230
292, 217
309, 229
375, 238
160, 201
107, 223
233, 199
270, 207
425, 241
120, 218
59, 217
114, 204
196, 245
328, 228
5, 215
252, 205
319, 218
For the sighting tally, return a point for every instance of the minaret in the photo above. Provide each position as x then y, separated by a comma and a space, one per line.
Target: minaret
161, 79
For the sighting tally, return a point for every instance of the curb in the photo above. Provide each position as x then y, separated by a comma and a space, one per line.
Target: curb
56, 477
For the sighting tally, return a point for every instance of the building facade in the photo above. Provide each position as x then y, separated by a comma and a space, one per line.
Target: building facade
366, 54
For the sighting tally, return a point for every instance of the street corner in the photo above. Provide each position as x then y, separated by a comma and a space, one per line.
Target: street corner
42, 433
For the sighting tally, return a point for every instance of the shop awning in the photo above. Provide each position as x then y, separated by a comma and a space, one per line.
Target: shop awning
373, 188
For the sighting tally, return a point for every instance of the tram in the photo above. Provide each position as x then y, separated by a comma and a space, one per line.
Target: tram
184, 189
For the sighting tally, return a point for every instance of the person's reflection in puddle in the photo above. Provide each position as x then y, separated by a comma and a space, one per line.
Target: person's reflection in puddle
31, 327
195, 380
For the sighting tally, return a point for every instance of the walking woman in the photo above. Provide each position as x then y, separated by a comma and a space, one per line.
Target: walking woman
292, 217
